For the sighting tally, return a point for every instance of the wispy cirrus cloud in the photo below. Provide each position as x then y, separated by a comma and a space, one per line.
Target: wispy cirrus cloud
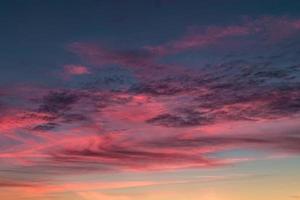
271, 29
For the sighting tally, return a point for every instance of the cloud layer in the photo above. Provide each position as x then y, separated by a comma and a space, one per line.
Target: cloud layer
170, 116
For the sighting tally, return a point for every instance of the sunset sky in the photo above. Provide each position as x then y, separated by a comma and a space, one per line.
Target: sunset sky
150, 100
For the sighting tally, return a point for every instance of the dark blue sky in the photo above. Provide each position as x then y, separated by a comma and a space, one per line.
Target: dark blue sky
34, 33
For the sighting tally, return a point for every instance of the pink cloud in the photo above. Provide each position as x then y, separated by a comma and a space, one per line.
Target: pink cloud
76, 70
145, 60
136, 145
142, 63
197, 39
274, 29
99, 55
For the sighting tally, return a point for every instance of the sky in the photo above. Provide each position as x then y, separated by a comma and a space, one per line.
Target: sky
150, 100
